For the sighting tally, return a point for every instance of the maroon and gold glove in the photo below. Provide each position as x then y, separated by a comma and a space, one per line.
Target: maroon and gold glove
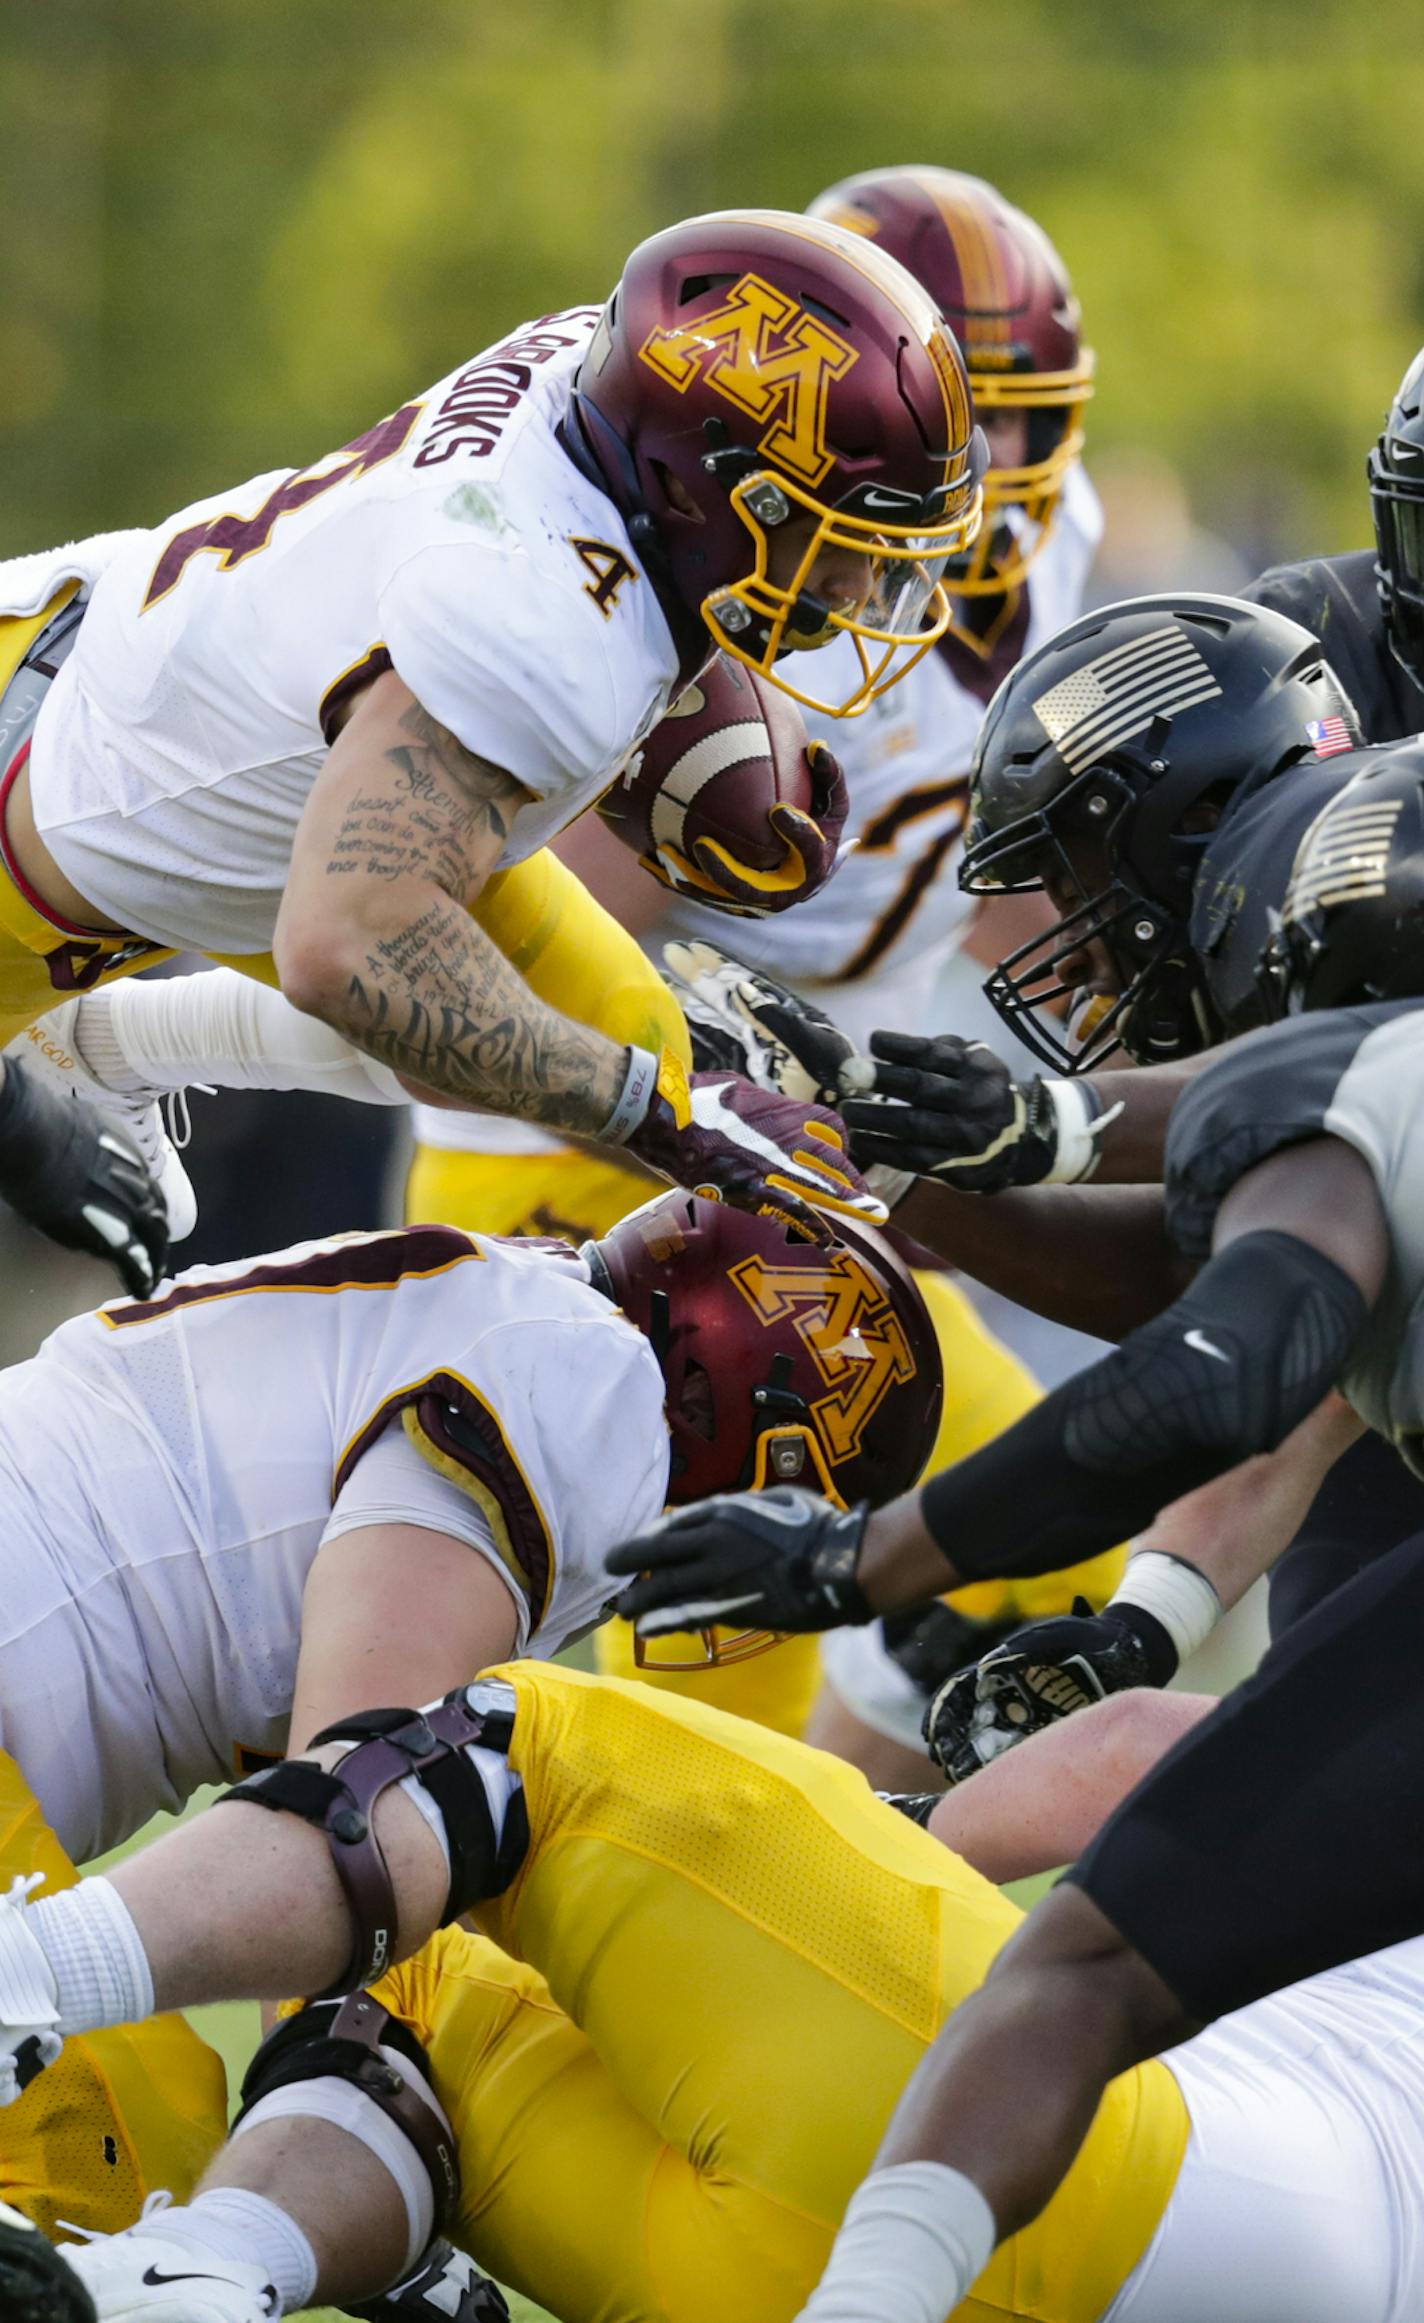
719, 1136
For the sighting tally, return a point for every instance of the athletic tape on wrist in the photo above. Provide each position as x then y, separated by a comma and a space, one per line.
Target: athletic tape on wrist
1081, 1122
1174, 1593
636, 1096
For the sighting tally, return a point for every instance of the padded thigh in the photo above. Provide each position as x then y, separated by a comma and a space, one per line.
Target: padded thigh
1270, 1090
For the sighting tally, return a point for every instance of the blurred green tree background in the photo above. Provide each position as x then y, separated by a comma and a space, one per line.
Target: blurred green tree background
238, 230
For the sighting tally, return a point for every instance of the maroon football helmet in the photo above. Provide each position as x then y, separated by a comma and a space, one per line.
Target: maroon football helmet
786, 1362
754, 369
1005, 293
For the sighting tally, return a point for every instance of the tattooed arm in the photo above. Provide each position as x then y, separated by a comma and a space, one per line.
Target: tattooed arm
401, 831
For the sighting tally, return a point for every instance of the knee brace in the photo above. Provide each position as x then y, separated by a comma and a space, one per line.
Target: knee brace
358, 2046
390, 1747
1227, 1371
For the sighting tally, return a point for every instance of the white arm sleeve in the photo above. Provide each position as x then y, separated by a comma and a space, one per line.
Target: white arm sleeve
392, 1483
224, 1029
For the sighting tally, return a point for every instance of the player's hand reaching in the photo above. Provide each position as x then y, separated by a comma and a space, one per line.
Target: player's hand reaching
1040, 1674
957, 1114
743, 1021
80, 1179
779, 1560
717, 1135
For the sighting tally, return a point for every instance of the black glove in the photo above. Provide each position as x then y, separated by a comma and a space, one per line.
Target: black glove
780, 1560
743, 1021
961, 1117
932, 1642
1040, 1674
80, 1179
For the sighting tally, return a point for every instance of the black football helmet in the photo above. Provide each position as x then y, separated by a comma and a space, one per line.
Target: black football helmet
1396, 474
1351, 928
1102, 769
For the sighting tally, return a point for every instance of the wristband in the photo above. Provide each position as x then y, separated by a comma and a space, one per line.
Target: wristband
916, 2237
639, 1087
1080, 1122
1175, 1594
890, 1184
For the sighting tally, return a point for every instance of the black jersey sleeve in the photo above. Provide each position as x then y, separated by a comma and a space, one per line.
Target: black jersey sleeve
1272, 1089
1335, 598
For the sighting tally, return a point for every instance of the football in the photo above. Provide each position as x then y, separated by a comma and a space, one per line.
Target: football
730, 749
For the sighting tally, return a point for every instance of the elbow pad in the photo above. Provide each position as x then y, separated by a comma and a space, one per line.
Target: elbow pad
1229, 1369
1226, 1372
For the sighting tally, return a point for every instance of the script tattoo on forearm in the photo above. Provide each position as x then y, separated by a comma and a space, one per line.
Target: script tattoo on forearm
435, 999
440, 810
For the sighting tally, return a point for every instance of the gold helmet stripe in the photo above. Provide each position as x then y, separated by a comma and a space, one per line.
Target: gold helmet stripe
985, 286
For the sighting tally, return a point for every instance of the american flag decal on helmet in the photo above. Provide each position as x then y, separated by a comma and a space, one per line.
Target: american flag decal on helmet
1328, 736
1118, 695
1343, 857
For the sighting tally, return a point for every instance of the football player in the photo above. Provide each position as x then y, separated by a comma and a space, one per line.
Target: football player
708, 1961
1155, 770
1368, 611
329, 721
380, 1446
870, 947
875, 938
1291, 1161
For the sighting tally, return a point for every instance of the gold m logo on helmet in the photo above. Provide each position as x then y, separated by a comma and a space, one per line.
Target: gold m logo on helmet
848, 1327
771, 359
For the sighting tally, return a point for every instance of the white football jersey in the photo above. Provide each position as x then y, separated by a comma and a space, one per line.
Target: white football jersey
171, 1467
456, 541
874, 941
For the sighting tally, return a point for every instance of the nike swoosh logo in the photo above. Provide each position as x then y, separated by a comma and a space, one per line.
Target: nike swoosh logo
155, 2281
1203, 1346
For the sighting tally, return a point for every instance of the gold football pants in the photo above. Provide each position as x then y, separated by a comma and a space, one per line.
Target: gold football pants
733, 1958
122, 2112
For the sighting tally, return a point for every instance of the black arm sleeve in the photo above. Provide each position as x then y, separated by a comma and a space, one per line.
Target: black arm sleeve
1226, 1372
